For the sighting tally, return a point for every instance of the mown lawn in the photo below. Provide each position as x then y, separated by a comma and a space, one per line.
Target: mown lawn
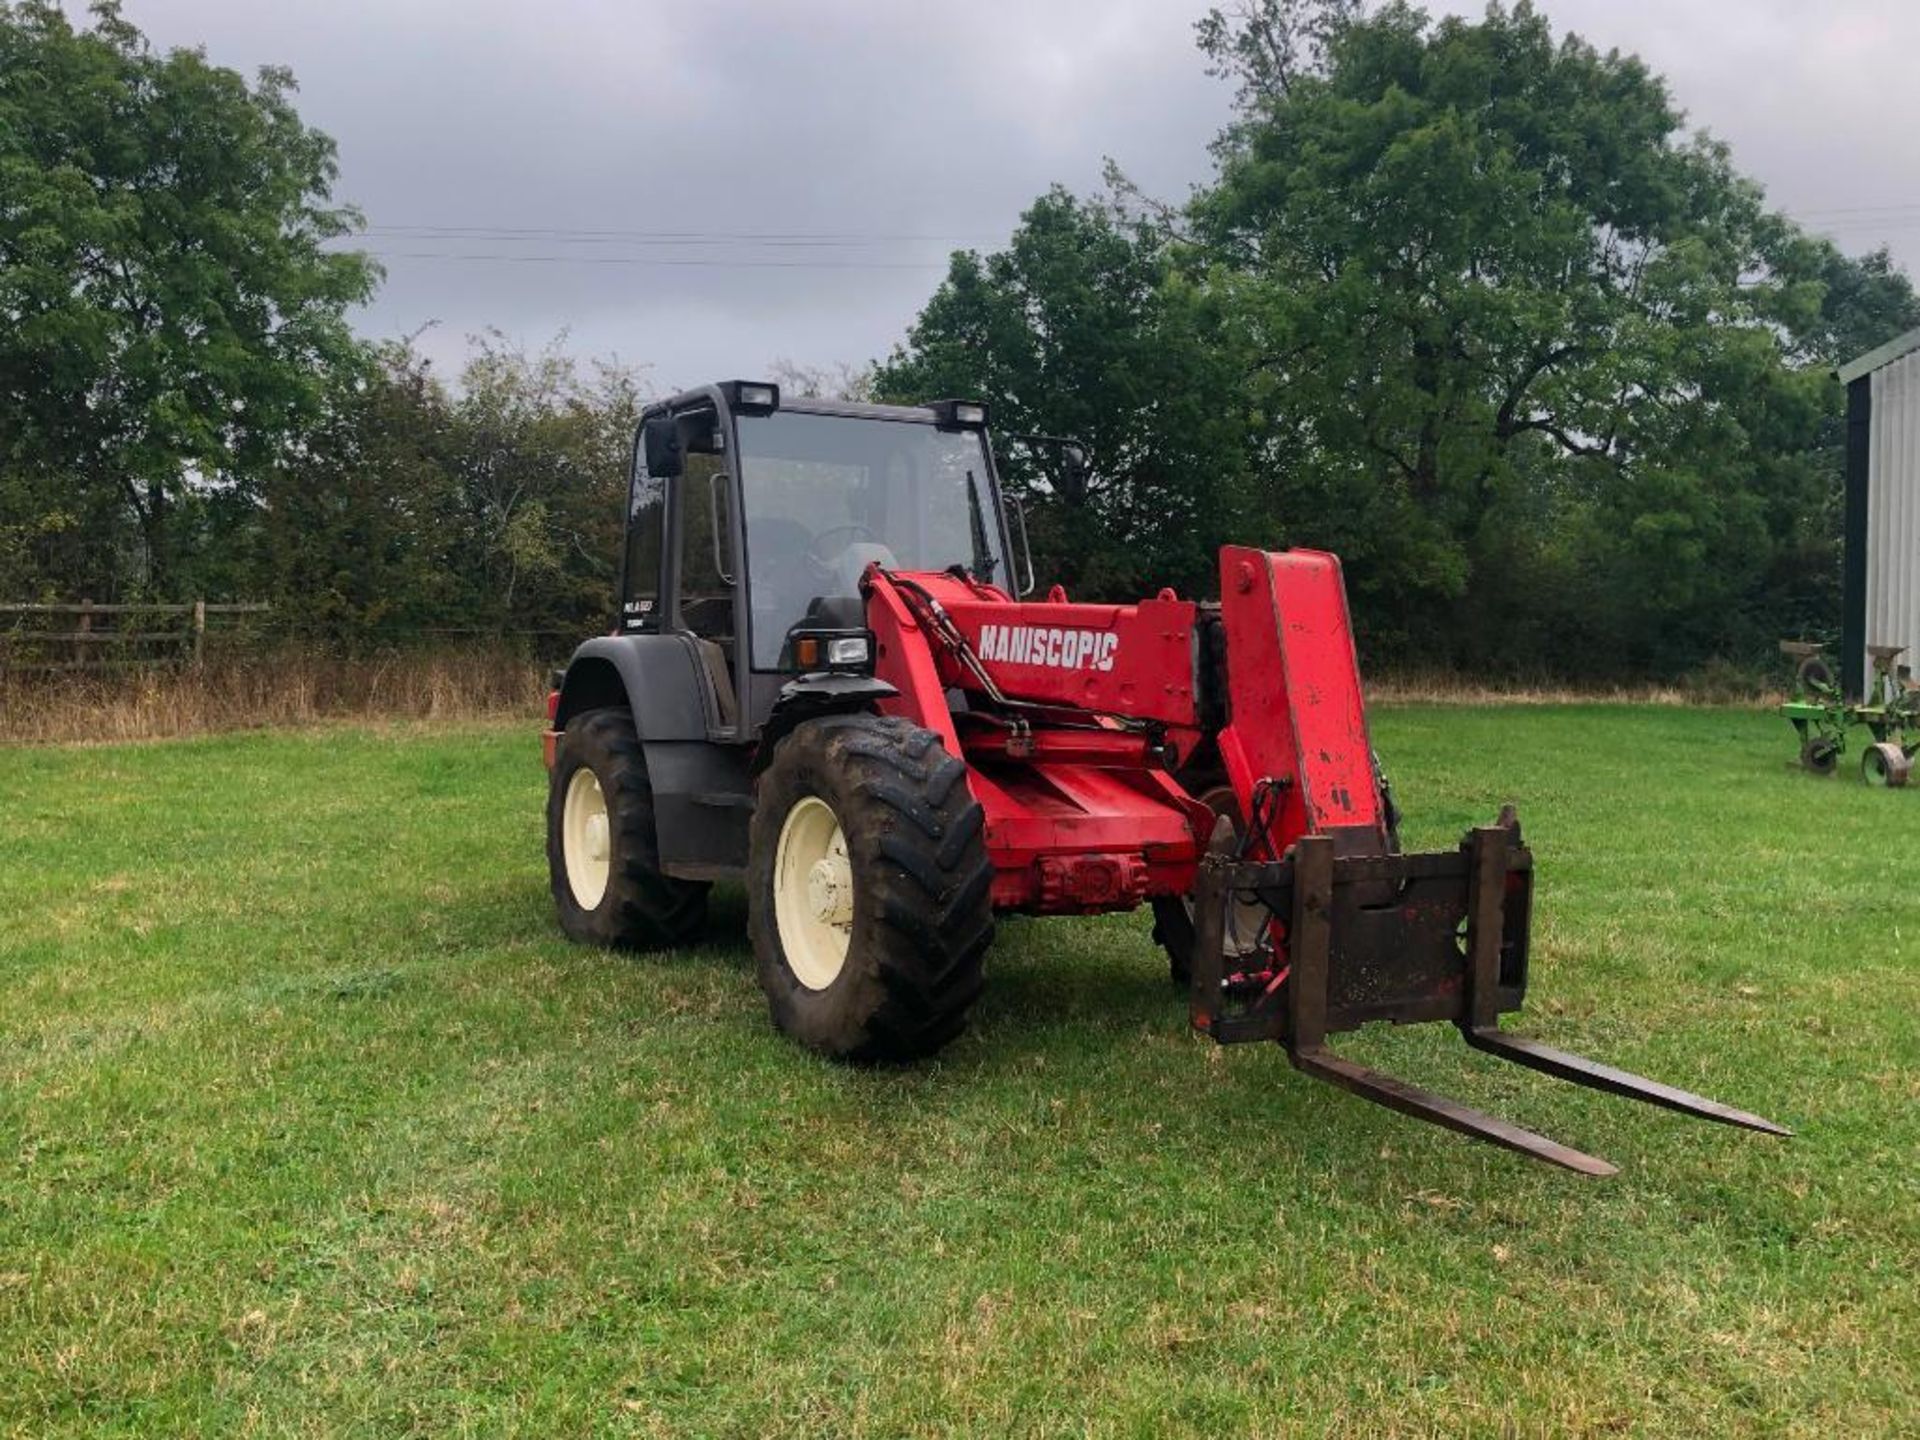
310, 1124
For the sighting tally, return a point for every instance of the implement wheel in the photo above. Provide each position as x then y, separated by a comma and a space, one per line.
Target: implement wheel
1814, 672
869, 890
1885, 764
1820, 755
603, 857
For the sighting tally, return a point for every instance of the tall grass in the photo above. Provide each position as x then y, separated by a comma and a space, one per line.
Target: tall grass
287, 688
1712, 684
293, 687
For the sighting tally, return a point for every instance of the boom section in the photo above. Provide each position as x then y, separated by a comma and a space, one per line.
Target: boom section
1137, 661
1296, 745
1071, 719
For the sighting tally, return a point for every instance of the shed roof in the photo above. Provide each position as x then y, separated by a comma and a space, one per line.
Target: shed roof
1880, 355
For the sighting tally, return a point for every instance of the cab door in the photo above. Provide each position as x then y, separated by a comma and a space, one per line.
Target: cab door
707, 593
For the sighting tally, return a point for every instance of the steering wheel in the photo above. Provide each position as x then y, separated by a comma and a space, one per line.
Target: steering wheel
820, 564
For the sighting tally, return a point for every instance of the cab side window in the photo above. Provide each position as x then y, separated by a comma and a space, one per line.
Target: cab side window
646, 529
706, 571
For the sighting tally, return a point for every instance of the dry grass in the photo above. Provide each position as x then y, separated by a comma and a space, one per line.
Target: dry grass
1713, 686
292, 689
285, 690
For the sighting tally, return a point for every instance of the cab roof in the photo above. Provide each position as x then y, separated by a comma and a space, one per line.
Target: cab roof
804, 405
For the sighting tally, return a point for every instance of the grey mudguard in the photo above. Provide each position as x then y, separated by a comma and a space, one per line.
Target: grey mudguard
702, 791
807, 696
659, 677
702, 802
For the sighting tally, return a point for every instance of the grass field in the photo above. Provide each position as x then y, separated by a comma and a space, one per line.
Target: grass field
310, 1124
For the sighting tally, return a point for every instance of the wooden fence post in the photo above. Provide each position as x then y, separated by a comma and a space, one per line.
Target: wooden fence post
79, 647
199, 632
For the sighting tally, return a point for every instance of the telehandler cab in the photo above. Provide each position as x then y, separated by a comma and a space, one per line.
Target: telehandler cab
821, 682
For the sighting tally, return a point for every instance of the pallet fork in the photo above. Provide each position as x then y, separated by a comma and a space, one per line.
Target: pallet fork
1356, 931
1402, 938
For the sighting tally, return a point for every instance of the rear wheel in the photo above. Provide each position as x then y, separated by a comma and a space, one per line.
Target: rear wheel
603, 857
869, 889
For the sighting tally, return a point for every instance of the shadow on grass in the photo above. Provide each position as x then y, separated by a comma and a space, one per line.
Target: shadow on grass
1042, 979
1082, 1012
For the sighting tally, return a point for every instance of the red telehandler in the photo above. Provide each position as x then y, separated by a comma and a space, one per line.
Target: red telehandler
822, 682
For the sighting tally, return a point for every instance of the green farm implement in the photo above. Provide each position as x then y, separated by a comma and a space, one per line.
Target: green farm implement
1823, 717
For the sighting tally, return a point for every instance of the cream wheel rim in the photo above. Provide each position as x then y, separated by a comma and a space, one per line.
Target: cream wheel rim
813, 893
586, 839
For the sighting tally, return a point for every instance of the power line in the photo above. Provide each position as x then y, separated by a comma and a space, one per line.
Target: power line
776, 249
1858, 220
667, 237
655, 260
1869, 214
1904, 207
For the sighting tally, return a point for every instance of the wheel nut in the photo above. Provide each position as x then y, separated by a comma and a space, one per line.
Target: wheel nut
830, 891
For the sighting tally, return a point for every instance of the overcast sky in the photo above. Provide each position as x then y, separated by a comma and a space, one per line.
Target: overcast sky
702, 188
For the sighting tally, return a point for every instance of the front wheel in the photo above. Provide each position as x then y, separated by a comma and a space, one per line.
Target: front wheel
870, 894
603, 857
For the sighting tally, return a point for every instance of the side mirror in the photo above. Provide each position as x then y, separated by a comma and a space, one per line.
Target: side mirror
1026, 546
1074, 465
660, 445
1066, 462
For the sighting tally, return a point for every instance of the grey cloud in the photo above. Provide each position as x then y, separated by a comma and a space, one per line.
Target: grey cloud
887, 120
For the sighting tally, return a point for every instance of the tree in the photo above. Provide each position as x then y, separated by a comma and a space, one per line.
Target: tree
1465, 303
1080, 329
1560, 367
839, 381
351, 534
541, 451
1265, 45
169, 316
410, 508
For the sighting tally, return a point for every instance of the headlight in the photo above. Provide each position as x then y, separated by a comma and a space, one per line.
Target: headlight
753, 397
959, 414
849, 650
830, 651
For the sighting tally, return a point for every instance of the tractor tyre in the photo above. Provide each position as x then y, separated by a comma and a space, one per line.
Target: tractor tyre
870, 894
602, 852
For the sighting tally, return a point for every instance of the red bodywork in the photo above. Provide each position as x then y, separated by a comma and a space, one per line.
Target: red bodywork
1096, 705
1074, 721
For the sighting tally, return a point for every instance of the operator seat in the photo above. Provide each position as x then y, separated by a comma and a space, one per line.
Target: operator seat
854, 560
835, 612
